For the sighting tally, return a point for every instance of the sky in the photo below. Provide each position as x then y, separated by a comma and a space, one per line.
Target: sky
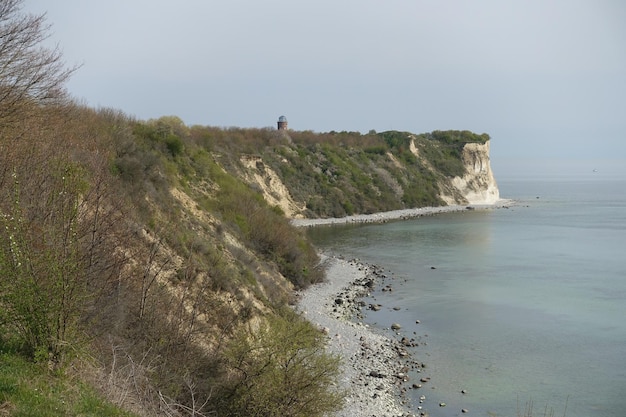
546, 79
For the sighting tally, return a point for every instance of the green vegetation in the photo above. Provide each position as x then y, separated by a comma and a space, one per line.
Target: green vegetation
28, 389
141, 267
280, 371
339, 174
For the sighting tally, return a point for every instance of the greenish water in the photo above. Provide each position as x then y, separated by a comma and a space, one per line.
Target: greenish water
524, 304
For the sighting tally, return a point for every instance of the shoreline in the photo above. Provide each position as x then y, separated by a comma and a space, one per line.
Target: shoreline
404, 214
375, 364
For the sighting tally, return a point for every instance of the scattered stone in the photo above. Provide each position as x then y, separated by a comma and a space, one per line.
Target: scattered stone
442, 404
464, 410
417, 322
463, 391
395, 326
432, 267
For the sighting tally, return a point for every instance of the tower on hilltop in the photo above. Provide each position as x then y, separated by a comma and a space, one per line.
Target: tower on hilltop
282, 123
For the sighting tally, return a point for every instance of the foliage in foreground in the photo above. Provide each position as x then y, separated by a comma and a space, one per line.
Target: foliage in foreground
28, 389
280, 370
96, 262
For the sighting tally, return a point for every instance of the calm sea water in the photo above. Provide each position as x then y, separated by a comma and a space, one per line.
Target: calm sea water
525, 305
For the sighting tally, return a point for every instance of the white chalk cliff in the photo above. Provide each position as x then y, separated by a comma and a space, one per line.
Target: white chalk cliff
478, 185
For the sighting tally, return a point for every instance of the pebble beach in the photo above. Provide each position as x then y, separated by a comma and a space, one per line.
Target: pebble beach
374, 366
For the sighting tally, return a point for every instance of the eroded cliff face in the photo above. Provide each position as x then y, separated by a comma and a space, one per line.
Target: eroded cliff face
478, 185
272, 187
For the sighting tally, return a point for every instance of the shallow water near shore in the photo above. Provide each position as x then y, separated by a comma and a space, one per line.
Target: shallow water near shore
525, 304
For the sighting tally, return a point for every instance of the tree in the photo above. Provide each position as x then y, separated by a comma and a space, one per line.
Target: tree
30, 74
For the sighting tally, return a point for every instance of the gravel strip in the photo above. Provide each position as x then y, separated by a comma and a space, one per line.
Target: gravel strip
398, 214
374, 367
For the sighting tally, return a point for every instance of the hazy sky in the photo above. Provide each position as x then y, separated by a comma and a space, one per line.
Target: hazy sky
542, 77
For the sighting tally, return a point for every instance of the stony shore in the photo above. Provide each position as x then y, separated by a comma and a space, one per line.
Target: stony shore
375, 366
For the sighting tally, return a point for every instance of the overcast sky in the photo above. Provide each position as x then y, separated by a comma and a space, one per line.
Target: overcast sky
543, 77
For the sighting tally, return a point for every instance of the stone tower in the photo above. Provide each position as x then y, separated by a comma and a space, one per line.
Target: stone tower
282, 123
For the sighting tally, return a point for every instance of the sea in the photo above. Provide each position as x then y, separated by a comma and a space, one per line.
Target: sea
516, 311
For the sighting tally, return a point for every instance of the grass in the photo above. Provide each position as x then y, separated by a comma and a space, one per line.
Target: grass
28, 389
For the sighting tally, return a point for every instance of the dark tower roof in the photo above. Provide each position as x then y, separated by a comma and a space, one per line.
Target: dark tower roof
282, 119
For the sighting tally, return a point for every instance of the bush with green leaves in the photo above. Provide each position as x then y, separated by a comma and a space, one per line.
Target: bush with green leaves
280, 370
55, 255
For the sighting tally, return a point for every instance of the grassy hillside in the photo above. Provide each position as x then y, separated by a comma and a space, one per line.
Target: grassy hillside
342, 173
141, 246
127, 243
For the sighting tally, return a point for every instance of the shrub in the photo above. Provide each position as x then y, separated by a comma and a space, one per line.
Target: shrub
56, 256
280, 370
174, 145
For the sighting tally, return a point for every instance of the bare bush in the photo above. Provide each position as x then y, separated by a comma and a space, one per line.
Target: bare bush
29, 73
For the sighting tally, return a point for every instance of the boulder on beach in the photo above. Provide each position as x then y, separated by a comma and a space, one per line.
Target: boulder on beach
395, 326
